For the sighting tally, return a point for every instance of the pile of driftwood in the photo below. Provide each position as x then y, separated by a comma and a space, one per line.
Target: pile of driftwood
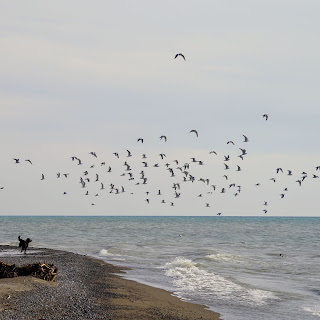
39, 270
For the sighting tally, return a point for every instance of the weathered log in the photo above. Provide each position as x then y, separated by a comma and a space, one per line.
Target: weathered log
39, 270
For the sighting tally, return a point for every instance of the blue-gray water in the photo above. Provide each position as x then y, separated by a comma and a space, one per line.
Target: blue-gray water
231, 264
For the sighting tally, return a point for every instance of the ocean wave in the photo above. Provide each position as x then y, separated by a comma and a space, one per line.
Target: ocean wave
314, 310
224, 257
114, 256
190, 278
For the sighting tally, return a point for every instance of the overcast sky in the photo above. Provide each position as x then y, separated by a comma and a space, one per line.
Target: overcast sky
79, 76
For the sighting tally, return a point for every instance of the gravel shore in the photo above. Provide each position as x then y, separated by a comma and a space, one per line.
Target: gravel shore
85, 288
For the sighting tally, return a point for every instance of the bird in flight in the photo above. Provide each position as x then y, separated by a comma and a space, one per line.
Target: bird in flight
140, 139
28, 161
163, 137
194, 131
16, 160
265, 116
181, 55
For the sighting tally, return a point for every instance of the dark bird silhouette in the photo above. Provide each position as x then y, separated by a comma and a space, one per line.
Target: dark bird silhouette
265, 116
28, 160
16, 160
163, 137
181, 55
194, 131
140, 139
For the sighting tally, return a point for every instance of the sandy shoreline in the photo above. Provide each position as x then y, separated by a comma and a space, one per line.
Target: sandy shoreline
85, 288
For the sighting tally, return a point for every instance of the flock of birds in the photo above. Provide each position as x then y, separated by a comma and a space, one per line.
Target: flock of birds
136, 175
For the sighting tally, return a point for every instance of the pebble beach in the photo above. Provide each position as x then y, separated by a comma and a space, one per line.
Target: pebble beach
85, 288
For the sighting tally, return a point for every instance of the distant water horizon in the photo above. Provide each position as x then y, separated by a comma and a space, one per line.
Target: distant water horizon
243, 267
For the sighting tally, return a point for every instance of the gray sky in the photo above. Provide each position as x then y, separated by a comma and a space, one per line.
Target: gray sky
79, 76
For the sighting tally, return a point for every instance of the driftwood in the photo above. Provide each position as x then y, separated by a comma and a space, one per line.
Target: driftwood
39, 270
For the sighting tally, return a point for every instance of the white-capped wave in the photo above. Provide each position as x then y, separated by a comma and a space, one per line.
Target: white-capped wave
314, 310
188, 277
106, 253
224, 257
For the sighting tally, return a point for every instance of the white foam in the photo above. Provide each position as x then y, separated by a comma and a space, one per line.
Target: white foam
106, 253
16, 252
188, 277
314, 310
224, 257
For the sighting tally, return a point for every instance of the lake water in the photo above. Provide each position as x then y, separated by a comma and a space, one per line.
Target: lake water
242, 267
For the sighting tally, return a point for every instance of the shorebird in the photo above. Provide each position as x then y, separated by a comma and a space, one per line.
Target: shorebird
181, 55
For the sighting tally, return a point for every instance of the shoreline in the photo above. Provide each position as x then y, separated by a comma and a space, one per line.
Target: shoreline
86, 288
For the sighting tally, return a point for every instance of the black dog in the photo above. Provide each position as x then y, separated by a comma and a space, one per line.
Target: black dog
24, 244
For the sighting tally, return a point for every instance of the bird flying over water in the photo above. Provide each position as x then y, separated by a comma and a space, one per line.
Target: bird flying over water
194, 131
163, 137
265, 116
181, 55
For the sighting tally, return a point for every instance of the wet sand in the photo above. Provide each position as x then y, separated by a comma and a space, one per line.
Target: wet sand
85, 288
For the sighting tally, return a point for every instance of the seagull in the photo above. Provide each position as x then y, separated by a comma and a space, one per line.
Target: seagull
42, 176
230, 142
181, 55
28, 161
140, 139
212, 152
245, 138
194, 131
129, 154
163, 137
16, 160
265, 116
